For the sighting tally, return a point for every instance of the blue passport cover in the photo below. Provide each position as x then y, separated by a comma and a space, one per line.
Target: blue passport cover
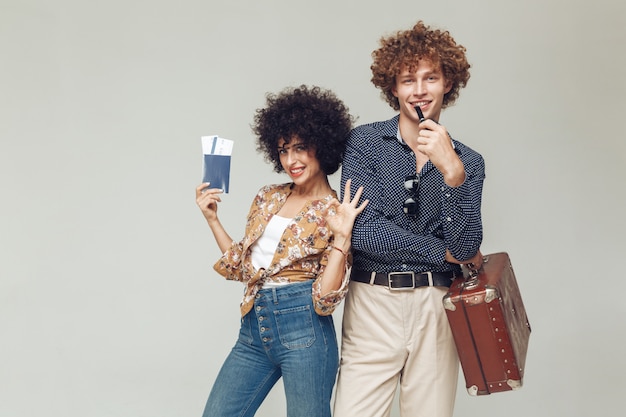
216, 171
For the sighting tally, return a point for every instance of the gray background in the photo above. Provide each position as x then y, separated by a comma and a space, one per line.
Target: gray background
108, 302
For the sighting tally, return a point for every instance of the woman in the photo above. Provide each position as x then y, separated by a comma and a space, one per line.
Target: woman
293, 259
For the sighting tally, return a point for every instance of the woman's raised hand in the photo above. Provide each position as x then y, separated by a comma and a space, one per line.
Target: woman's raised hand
207, 199
340, 216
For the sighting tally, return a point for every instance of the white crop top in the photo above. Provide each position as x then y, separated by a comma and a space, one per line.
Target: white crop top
264, 248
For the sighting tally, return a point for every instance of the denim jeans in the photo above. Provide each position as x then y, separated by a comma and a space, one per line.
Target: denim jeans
281, 336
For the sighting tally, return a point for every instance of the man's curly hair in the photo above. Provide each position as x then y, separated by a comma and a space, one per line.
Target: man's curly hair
406, 48
313, 115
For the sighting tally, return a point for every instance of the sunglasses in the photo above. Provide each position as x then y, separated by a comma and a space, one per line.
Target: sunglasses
411, 184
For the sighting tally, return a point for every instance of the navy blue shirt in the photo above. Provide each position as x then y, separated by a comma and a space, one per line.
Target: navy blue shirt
384, 238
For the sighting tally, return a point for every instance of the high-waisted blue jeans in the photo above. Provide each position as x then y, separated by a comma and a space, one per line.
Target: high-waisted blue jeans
281, 336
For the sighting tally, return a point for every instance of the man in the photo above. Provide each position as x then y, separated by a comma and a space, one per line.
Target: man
422, 221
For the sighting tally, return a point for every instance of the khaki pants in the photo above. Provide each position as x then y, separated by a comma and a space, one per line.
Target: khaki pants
392, 337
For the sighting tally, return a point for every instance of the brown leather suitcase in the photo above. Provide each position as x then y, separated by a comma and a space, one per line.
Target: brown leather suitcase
489, 325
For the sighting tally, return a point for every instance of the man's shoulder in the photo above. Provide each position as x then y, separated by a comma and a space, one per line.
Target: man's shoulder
464, 148
467, 153
375, 130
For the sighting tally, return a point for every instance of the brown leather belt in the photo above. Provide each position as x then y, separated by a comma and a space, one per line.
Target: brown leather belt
404, 280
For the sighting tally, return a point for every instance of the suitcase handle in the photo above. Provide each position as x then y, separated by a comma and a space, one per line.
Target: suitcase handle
472, 277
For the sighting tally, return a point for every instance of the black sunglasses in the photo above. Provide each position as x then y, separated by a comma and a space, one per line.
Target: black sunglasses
411, 184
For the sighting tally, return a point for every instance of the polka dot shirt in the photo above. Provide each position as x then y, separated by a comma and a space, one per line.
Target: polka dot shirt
385, 238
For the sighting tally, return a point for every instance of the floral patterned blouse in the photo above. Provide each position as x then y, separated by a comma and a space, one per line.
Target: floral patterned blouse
302, 252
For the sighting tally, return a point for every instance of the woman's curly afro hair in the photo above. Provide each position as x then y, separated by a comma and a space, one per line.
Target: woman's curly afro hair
406, 48
313, 115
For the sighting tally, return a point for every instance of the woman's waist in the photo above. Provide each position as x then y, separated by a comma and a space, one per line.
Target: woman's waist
290, 289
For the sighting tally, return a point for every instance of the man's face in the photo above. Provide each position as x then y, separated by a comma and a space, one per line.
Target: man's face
424, 87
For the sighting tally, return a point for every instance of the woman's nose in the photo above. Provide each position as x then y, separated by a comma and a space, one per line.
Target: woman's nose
290, 157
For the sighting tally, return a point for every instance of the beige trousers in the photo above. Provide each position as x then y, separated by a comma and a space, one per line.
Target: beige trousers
391, 338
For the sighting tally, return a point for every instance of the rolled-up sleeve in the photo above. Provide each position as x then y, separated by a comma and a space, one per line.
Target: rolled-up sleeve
327, 303
229, 264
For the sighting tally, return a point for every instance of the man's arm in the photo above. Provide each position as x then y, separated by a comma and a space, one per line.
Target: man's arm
461, 209
463, 176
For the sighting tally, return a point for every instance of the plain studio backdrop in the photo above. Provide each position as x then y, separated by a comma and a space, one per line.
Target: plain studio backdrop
109, 305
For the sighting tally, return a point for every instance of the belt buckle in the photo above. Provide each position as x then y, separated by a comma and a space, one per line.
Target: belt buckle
390, 279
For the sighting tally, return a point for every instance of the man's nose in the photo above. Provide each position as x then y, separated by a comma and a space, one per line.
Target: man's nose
420, 88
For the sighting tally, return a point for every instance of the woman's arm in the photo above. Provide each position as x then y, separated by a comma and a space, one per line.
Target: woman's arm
340, 219
207, 199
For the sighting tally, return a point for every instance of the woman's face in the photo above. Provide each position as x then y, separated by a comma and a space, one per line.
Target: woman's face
299, 161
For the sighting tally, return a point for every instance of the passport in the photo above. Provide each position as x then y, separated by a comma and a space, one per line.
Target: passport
217, 153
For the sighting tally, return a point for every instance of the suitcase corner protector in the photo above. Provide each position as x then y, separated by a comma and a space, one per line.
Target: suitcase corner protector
448, 304
514, 383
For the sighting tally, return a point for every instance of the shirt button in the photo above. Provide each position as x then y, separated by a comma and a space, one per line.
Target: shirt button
449, 219
265, 339
261, 318
262, 329
258, 308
